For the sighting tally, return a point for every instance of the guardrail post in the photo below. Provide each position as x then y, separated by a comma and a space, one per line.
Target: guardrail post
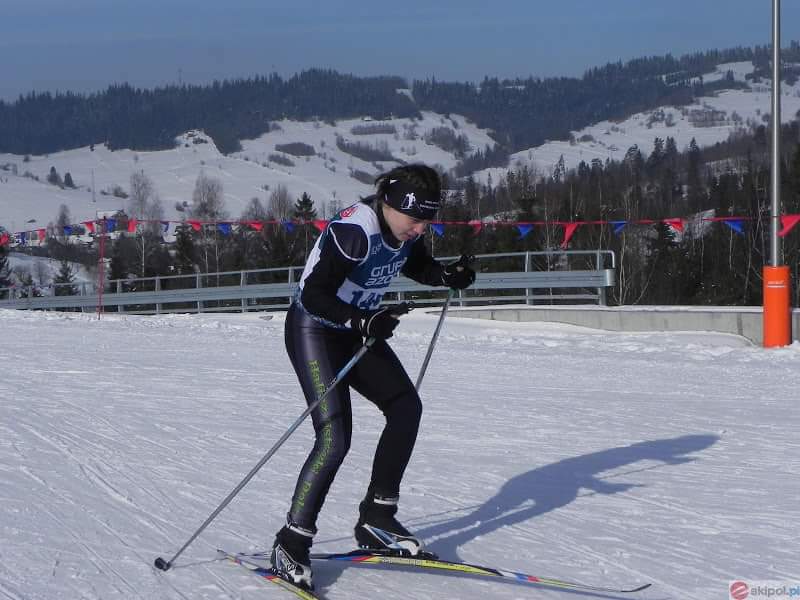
243, 283
158, 289
601, 291
528, 291
199, 302
119, 291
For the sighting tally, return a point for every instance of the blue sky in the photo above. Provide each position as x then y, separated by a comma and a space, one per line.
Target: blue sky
86, 44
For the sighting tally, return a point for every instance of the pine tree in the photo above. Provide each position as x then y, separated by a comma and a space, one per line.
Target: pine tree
304, 211
696, 191
122, 251
54, 178
185, 251
304, 208
64, 280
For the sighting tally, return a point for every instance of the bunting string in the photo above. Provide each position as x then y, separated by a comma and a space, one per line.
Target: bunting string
226, 228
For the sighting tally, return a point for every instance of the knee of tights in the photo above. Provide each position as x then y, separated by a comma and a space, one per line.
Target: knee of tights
407, 408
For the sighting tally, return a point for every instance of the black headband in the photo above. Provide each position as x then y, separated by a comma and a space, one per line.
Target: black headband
415, 202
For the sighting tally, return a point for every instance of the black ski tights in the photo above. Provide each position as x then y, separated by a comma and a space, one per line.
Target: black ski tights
318, 353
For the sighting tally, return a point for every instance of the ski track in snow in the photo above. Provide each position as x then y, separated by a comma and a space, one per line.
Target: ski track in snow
605, 458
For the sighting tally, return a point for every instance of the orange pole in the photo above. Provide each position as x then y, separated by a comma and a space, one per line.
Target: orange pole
777, 307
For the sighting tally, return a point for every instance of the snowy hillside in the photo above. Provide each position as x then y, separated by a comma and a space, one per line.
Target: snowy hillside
712, 119
333, 177
43, 270
252, 173
558, 451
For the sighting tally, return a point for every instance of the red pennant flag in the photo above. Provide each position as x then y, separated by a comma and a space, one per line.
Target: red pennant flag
320, 224
196, 225
132, 223
676, 224
4, 239
476, 226
569, 231
788, 222
89, 226
42, 234
257, 225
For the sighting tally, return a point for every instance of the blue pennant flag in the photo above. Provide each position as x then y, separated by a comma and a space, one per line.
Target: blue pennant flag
225, 228
737, 225
288, 225
111, 225
524, 230
618, 226
67, 229
438, 229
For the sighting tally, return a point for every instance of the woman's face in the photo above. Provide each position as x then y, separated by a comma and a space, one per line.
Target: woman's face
402, 226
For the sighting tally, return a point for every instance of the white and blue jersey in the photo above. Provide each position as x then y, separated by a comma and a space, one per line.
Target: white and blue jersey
352, 261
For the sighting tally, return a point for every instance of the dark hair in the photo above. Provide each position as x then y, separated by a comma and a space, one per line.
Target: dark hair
418, 176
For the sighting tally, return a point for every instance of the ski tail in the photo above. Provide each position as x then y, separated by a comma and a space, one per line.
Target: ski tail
247, 561
366, 557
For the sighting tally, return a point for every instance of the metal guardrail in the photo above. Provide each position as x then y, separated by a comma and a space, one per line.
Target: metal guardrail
272, 289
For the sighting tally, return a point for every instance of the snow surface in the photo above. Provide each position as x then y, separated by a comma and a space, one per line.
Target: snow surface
559, 451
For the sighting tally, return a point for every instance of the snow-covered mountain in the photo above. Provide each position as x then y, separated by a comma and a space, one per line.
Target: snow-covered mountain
710, 120
28, 201
334, 177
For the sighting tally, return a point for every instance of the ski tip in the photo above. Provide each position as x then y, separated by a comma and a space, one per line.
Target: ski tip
640, 588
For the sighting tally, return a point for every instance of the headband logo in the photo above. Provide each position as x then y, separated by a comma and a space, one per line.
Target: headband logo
409, 202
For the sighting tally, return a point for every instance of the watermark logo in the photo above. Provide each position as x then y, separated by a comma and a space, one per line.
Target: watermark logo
739, 590
766, 590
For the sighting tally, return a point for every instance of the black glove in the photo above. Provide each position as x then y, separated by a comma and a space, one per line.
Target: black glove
380, 323
459, 275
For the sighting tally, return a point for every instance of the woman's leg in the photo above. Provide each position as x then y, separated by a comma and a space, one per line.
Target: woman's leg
381, 378
317, 354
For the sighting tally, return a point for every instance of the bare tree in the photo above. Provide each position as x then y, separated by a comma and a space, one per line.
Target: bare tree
255, 211
62, 220
208, 204
142, 190
41, 272
150, 233
208, 201
280, 205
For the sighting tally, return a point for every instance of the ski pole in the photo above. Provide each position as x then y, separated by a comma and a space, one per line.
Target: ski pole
160, 563
433, 339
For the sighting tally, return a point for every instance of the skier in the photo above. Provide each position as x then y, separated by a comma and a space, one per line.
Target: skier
337, 305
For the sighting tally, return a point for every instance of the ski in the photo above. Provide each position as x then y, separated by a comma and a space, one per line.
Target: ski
430, 561
267, 574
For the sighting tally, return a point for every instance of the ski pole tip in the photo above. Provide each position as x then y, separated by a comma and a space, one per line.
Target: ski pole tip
161, 564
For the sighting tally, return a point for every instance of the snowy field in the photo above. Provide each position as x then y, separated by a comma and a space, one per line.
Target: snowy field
591, 456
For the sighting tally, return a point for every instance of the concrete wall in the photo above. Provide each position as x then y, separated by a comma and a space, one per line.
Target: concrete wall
744, 321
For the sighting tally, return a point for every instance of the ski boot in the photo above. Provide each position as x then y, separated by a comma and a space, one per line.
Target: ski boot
290, 555
377, 529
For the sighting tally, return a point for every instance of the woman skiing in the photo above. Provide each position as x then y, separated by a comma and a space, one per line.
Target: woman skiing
337, 305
